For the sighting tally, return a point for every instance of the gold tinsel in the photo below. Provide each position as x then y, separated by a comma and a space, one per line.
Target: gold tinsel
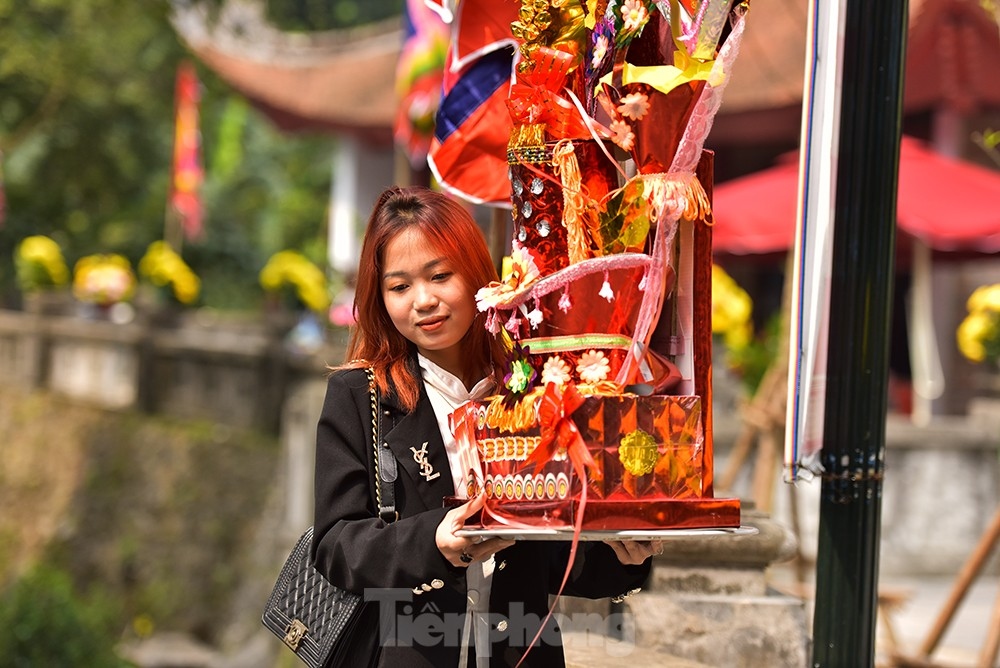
567, 168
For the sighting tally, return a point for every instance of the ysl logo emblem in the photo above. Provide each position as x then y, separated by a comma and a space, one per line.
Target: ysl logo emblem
426, 468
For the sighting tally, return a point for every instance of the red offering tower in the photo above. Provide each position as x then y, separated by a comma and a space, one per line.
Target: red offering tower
604, 418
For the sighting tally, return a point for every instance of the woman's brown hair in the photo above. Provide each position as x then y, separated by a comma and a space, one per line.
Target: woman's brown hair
375, 341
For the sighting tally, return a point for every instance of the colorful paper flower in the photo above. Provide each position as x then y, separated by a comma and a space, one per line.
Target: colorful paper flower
634, 15
593, 367
633, 106
556, 370
521, 376
523, 272
621, 134
601, 46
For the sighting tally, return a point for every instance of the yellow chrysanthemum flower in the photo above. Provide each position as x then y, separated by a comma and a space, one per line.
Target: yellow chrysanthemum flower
163, 267
978, 335
731, 309
39, 264
103, 279
291, 269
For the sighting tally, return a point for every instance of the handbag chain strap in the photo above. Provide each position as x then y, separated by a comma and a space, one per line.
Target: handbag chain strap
383, 484
373, 393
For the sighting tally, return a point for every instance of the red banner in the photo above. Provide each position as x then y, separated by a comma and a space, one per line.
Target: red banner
185, 198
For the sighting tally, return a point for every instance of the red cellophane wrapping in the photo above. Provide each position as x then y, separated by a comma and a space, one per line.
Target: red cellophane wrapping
648, 457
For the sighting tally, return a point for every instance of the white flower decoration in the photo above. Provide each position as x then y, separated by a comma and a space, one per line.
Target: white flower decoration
633, 106
621, 134
634, 15
523, 272
593, 367
600, 51
555, 371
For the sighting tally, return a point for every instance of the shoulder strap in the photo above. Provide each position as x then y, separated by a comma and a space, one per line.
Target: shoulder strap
385, 465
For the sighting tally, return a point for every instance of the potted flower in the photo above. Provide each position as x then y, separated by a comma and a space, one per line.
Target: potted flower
167, 271
292, 280
978, 335
747, 354
41, 273
102, 281
291, 275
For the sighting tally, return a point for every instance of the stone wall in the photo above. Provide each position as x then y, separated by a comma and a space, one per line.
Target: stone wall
233, 372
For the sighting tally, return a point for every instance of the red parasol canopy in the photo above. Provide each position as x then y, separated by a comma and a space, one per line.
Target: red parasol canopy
948, 204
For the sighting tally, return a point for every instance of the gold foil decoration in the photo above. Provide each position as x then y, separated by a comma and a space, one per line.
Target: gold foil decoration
548, 23
600, 388
527, 145
567, 168
638, 453
510, 420
531, 135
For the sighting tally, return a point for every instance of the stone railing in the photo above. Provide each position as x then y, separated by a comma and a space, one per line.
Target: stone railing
230, 371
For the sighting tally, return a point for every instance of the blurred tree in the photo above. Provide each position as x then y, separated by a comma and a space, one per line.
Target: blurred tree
86, 135
329, 14
86, 90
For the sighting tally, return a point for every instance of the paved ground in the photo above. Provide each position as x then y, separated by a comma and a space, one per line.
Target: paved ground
963, 641
922, 600
921, 603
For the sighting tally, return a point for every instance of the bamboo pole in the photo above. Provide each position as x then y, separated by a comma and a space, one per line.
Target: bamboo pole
970, 571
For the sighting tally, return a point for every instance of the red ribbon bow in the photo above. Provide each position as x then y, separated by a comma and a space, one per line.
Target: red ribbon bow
559, 431
533, 97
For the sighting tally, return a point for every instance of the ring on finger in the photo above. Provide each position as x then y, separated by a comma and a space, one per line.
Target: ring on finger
465, 557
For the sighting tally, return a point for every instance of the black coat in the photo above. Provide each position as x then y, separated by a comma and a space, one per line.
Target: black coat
357, 551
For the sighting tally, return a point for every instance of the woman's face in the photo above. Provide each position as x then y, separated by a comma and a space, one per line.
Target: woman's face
427, 300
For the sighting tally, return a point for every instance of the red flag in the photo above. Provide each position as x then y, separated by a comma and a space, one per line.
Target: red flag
468, 154
185, 199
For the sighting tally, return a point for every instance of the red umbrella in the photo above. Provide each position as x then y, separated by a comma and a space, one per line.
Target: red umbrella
948, 204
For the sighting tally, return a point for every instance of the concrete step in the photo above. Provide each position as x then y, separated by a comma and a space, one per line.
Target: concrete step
591, 651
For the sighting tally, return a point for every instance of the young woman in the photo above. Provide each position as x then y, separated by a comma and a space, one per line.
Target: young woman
435, 599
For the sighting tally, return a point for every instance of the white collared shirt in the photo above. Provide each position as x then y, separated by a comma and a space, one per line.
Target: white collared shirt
446, 393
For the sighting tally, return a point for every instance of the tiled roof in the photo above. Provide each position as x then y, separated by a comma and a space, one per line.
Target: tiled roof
341, 80
953, 58
348, 92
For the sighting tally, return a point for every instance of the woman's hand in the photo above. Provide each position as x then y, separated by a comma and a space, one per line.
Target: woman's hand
461, 550
634, 552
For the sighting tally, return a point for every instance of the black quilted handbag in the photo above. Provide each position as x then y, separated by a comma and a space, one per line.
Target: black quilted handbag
308, 613
314, 618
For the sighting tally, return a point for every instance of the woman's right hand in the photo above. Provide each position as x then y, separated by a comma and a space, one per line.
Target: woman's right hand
463, 550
